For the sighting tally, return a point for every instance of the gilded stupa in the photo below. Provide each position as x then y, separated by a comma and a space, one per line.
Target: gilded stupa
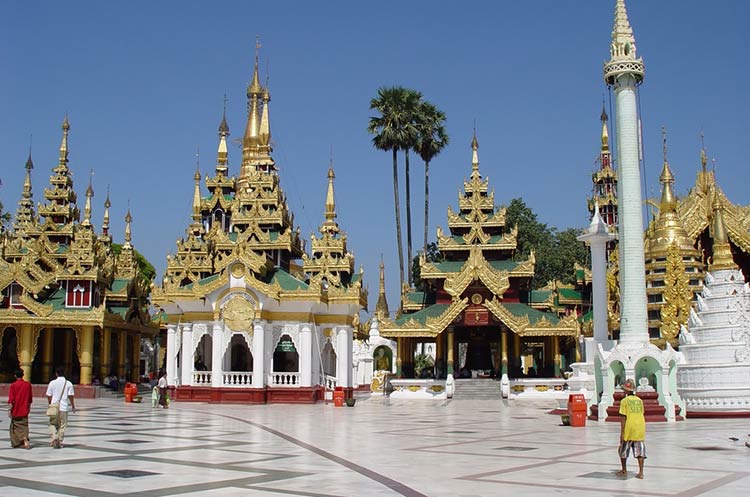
251, 315
70, 296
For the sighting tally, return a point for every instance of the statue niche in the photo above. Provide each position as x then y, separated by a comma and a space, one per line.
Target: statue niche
382, 358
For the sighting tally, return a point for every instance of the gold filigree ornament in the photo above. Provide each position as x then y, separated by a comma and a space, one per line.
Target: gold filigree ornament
238, 270
238, 314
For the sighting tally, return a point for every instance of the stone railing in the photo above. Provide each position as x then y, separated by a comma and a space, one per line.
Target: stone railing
330, 382
202, 378
279, 379
237, 379
536, 387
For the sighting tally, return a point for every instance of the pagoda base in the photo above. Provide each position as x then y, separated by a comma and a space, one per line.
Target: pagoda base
653, 412
265, 395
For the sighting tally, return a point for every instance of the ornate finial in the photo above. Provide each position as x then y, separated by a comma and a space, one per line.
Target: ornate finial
27, 181
704, 159
722, 251
197, 196
255, 89
474, 149
264, 130
622, 49
381, 307
89, 195
128, 220
330, 225
668, 201
197, 175
223, 127
222, 154
64, 143
105, 221
605, 131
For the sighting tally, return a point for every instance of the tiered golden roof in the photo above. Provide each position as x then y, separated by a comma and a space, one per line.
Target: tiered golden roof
476, 273
42, 256
245, 222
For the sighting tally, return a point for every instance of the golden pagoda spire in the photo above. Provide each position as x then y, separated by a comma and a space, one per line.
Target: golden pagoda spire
265, 126
87, 208
382, 305
474, 153
63, 159
668, 200
197, 196
722, 251
605, 131
128, 234
25, 212
222, 159
330, 225
251, 140
105, 220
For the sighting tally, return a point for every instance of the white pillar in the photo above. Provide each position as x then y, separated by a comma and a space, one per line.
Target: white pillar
344, 356
596, 236
217, 354
171, 354
187, 354
633, 315
259, 354
305, 355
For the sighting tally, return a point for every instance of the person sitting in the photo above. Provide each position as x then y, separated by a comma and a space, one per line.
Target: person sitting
107, 382
114, 383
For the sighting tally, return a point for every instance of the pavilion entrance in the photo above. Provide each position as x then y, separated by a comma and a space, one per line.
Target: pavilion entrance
478, 350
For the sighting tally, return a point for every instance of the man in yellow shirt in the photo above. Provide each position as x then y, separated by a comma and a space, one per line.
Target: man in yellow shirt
632, 429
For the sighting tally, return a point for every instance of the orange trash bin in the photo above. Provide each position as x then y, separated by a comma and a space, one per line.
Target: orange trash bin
338, 397
130, 391
577, 409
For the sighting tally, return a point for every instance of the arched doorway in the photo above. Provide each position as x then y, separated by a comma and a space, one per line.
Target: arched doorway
328, 356
285, 363
8, 355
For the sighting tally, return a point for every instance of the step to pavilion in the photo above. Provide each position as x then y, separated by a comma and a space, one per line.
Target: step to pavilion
477, 389
653, 411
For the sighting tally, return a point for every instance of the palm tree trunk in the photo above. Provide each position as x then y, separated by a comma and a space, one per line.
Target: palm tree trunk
426, 203
397, 205
408, 217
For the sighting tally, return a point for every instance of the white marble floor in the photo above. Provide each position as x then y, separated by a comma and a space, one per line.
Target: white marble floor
377, 448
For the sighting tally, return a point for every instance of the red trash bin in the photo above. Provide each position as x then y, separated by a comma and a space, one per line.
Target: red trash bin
130, 391
577, 409
338, 397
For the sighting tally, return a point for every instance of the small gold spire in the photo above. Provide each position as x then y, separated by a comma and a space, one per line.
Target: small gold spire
265, 125
64, 143
474, 153
89, 195
668, 200
222, 155
255, 88
197, 195
105, 220
27, 180
722, 251
128, 237
381, 307
704, 158
330, 225
605, 131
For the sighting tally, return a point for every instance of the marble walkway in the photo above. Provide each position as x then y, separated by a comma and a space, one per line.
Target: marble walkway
377, 448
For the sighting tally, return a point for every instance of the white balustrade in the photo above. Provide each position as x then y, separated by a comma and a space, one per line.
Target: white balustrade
280, 379
202, 378
237, 379
330, 382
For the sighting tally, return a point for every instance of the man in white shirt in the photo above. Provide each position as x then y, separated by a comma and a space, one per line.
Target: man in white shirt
60, 391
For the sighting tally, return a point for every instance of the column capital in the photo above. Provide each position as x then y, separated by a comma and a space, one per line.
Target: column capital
171, 328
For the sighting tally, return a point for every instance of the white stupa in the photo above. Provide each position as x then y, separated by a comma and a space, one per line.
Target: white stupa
715, 381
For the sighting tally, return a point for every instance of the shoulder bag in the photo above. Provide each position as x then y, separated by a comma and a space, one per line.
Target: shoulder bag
54, 408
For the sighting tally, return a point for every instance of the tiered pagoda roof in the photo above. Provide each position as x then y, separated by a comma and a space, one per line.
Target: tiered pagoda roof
244, 224
56, 271
477, 273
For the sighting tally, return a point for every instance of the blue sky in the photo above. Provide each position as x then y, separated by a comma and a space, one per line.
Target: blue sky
143, 83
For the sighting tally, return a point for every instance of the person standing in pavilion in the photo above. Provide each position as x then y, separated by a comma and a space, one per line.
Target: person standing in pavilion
19, 398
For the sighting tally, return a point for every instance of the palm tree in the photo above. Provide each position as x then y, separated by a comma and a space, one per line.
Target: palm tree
431, 140
393, 130
412, 100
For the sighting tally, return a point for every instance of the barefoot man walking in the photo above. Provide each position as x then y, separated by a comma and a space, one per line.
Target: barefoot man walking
632, 429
